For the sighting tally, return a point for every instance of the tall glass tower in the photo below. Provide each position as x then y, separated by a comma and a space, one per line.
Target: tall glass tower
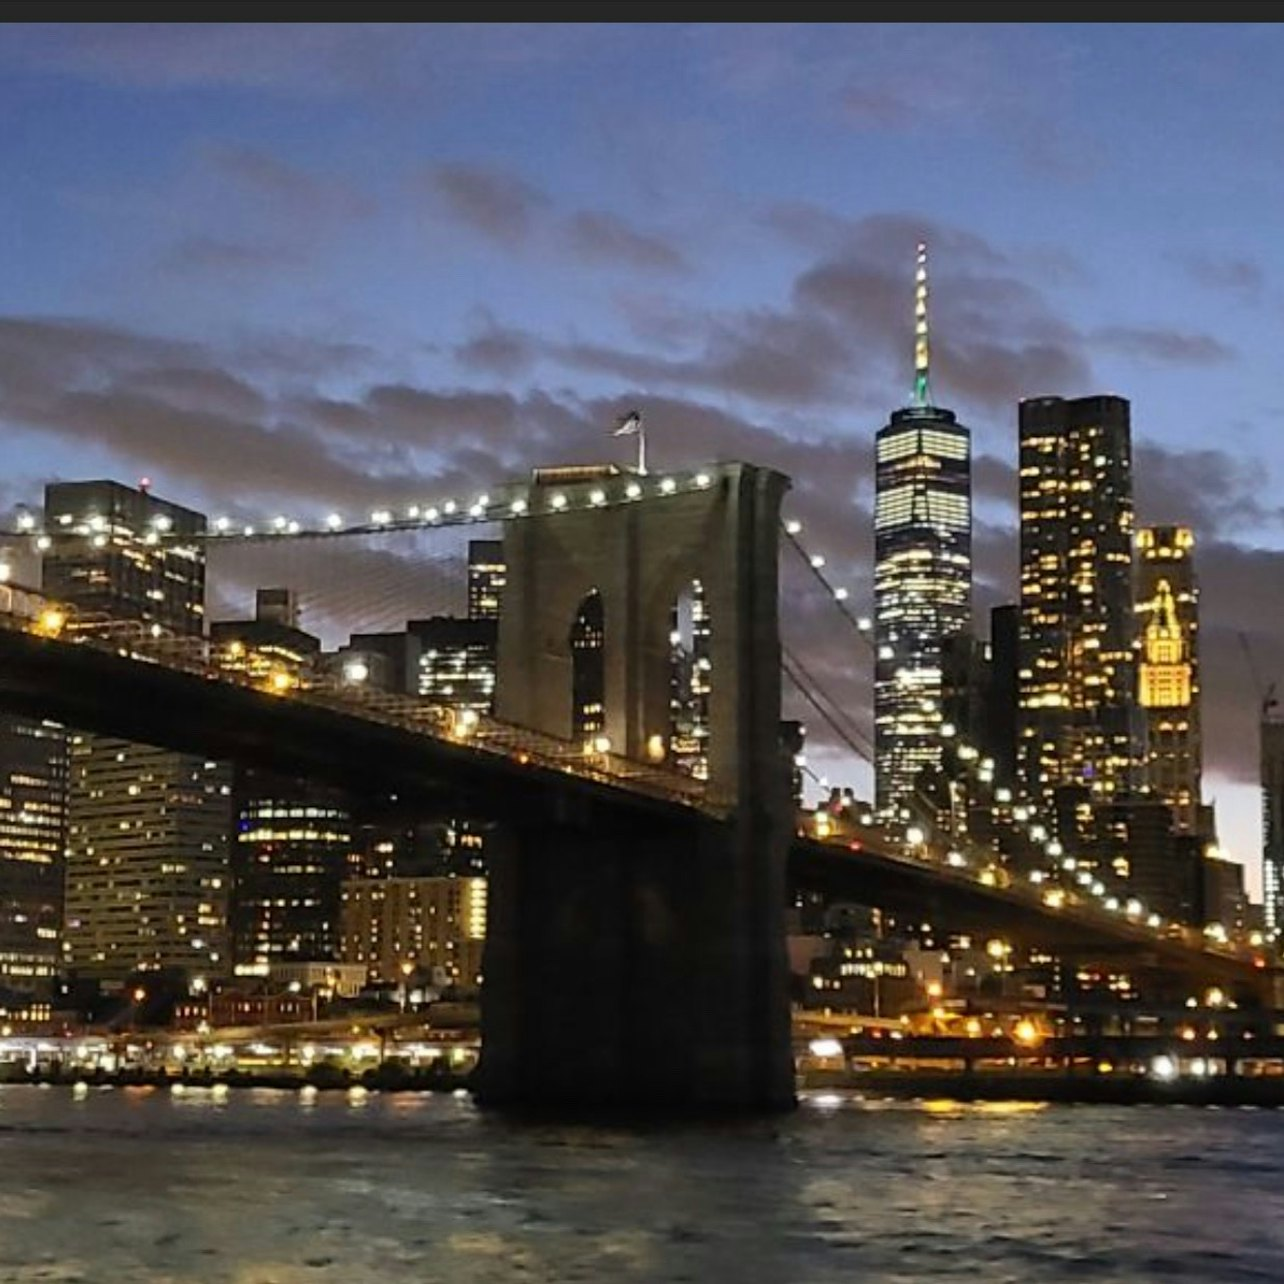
1080, 726
922, 571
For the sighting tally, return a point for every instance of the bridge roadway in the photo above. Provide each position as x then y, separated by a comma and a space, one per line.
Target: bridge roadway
393, 748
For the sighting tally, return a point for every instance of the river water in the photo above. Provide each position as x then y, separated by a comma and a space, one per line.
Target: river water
138, 1186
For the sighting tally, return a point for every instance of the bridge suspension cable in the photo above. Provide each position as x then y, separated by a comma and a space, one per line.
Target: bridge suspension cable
830, 711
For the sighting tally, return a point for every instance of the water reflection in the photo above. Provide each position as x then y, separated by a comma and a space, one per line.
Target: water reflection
271, 1185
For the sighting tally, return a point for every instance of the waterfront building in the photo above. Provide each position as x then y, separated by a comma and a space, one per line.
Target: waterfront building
402, 926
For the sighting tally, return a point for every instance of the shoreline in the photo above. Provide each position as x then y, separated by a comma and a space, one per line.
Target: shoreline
1086, 1089
385, 1080
1210, 1091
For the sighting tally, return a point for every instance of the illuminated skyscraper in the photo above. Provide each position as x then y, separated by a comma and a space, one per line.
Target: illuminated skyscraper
1078, 721
1168, 674
291, 851
1272, 762
147, 862
922, 571
33, 833
689, 683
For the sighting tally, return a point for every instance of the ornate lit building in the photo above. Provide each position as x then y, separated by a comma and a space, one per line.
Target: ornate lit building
922, 571
1078, 730
1168, 672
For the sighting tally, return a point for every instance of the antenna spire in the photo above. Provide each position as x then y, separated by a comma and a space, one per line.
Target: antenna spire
922, 395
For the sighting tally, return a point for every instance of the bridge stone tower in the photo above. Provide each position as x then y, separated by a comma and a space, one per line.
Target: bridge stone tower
638, 959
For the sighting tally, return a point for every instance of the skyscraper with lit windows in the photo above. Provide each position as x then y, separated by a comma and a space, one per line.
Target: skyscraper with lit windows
147, 859
1168, 672
33, 834
922, 571
1271, 750
1078, 722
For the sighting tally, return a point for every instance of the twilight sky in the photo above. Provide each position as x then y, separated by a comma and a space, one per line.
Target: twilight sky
288, 268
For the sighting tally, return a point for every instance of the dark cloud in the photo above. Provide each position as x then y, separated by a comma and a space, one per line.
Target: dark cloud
1238, 587
308, 60
1215, 492
497, 350
1167, 346
606, 238
228, 258
842, 340
994, 483
1222, 272
288, 191
878, 107
495, 204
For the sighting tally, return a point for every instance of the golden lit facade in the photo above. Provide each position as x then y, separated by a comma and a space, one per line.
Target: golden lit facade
1077, 723
922, 587
433, 925
1168, 672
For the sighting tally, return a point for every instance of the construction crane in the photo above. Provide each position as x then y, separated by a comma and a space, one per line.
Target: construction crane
1266, 697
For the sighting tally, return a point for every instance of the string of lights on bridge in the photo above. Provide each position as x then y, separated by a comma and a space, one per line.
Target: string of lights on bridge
510, 501
980, 769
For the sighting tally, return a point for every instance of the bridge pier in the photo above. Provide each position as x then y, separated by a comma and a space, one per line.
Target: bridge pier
639, 968
637, 959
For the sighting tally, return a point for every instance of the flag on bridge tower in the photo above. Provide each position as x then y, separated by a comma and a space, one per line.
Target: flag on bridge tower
630, 425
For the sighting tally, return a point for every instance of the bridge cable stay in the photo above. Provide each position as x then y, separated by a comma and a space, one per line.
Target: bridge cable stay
365, 582
829, 710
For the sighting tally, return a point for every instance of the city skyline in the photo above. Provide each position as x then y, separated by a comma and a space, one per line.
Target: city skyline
259, 315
